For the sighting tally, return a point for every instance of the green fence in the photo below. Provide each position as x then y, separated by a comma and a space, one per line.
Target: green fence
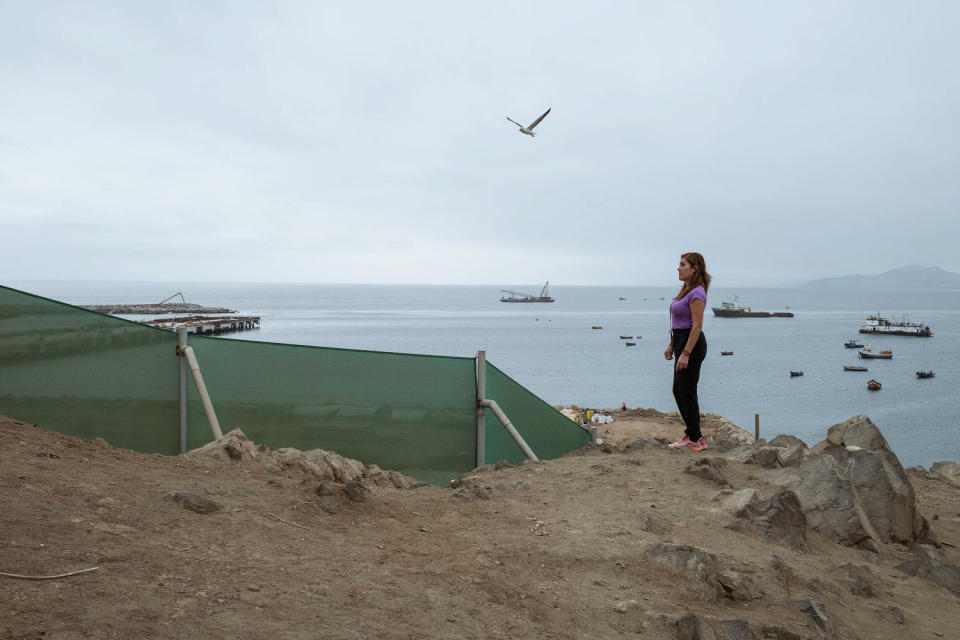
93, 375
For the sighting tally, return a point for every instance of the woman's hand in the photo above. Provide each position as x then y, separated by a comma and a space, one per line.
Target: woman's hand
668, 354
682, 361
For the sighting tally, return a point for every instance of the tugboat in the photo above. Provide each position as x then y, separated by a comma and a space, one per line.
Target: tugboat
736, 310
868, 354
852, 344
879, 324
925, 374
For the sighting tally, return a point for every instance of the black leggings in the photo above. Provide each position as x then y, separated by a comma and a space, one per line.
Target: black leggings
685, 381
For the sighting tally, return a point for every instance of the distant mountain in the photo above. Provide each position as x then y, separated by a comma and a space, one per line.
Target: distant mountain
902, 278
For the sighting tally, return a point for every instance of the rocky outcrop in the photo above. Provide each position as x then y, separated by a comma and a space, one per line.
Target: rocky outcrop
697, 564
949, 472
779, 518
928, 563
316, 464
853, 494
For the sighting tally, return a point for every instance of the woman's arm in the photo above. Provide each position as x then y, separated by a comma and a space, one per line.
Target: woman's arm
697, 307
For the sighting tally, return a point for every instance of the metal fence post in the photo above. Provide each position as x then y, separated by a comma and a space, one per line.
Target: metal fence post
182, 342
481, 411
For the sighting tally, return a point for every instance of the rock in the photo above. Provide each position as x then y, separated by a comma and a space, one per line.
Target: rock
708, 469
326, 488
825, 496
858, 431
780, 569
792, 455
502, 464
607, 447
885, 496
694, 563
859, 579
763, 456
786, 441
817, 613
195, 503
735, 630
780, 518
737, 501
723, 444
353, 490
232, 446
946, 471
651, 522
694, 627
779, 633
640, 444
897, 614
625, 605
739, 586
928, 563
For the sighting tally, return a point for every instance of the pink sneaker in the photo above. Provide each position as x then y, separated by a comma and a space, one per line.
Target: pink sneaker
681, 443
699, 445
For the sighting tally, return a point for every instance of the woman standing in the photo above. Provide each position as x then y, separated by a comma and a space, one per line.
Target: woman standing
688, 345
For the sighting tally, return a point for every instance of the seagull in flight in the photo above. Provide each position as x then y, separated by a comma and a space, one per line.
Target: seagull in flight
529, 128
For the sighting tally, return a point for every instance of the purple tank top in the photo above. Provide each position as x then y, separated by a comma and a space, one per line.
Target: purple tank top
680, 317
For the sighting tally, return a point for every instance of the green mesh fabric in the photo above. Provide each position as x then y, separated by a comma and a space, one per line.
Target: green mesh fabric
411, 413
93, 375
88, 374
547, 431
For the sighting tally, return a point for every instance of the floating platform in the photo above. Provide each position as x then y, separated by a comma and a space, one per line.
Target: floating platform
201, 325
154, 309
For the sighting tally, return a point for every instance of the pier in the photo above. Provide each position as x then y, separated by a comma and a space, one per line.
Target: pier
201, 325
154, 309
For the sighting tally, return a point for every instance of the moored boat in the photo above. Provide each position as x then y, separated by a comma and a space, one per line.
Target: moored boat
736, 310
726, 353
877, 324
867, 354
795, 374
626, 337
596, 327
873, 385
853, 344
630, 344
925, 374
849, 367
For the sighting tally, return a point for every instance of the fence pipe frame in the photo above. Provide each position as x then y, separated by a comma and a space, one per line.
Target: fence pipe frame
191, 358
481, 411
182, 342
502, 417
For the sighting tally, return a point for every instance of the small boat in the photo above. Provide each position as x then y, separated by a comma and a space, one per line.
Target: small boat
596, 327
925, 374
852, 344
622, 298
794, 374
868, 353
630, 344
848, 367
726, 353
873, 385
626, 337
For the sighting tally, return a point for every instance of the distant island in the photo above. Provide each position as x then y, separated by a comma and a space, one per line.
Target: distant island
902, 278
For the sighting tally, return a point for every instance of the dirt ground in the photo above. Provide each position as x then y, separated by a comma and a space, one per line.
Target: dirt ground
553, 549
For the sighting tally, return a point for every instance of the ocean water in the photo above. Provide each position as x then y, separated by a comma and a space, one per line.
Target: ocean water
552, 350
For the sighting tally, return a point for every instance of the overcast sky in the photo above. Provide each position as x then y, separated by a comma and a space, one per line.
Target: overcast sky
367, 141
